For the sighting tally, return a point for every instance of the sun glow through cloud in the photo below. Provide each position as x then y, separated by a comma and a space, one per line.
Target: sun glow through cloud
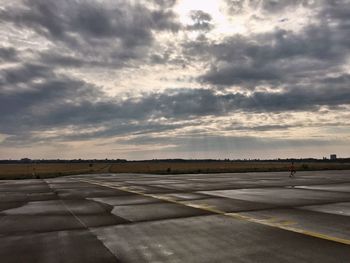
216, 9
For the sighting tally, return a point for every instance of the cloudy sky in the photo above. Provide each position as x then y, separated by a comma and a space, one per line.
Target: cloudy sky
143, 79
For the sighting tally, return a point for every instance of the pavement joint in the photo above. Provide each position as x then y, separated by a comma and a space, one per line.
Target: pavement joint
285, 225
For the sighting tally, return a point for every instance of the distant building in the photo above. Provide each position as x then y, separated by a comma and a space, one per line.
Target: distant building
333, 157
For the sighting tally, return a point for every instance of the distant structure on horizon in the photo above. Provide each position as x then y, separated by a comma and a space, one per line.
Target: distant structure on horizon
333, 157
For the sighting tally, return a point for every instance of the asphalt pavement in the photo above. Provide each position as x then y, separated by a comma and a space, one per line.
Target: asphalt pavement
237, 217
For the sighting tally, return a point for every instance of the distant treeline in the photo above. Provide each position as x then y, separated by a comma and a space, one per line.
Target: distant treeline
27, 160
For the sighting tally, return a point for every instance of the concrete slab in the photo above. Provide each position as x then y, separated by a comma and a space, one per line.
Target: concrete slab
20, 224
41, 196
329, 187
96, 220
182, 196
13, 197
54, 207
26, 197
227, 204
82, 193
247, 217
333, 226
282, 196
10, 205
59, 207
334, 208
30, 187
69, 185
125, 200
156, 211
215, 239
149, 189
54, 247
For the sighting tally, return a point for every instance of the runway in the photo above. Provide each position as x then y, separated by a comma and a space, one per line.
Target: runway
241, 217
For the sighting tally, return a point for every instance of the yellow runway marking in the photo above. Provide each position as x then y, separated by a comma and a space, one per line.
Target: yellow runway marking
283, 224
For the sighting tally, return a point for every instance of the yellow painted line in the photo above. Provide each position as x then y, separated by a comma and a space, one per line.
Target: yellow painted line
285, 225
289, 228
204, 207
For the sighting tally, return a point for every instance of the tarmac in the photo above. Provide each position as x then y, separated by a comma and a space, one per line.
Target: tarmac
236, 217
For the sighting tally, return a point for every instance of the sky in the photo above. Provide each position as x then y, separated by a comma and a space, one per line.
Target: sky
157, 79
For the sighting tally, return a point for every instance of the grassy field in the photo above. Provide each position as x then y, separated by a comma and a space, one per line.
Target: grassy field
46, 170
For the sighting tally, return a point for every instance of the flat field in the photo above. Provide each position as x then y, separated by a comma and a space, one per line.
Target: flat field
46, 170
30, 170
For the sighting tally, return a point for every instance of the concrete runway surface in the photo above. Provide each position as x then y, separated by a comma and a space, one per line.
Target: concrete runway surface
243, 217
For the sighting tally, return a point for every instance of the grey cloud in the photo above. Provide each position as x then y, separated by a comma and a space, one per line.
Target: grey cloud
75, 105
201, 21
165, 3
244, 74
268, 127
274, 58
281, 5
82, 133
336, 10
25, 102
8, 54
77, 60
50, 58
131, 24
62, 101
91, 33
267, 6
159, 58
24, 73
232, 144
279, 57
